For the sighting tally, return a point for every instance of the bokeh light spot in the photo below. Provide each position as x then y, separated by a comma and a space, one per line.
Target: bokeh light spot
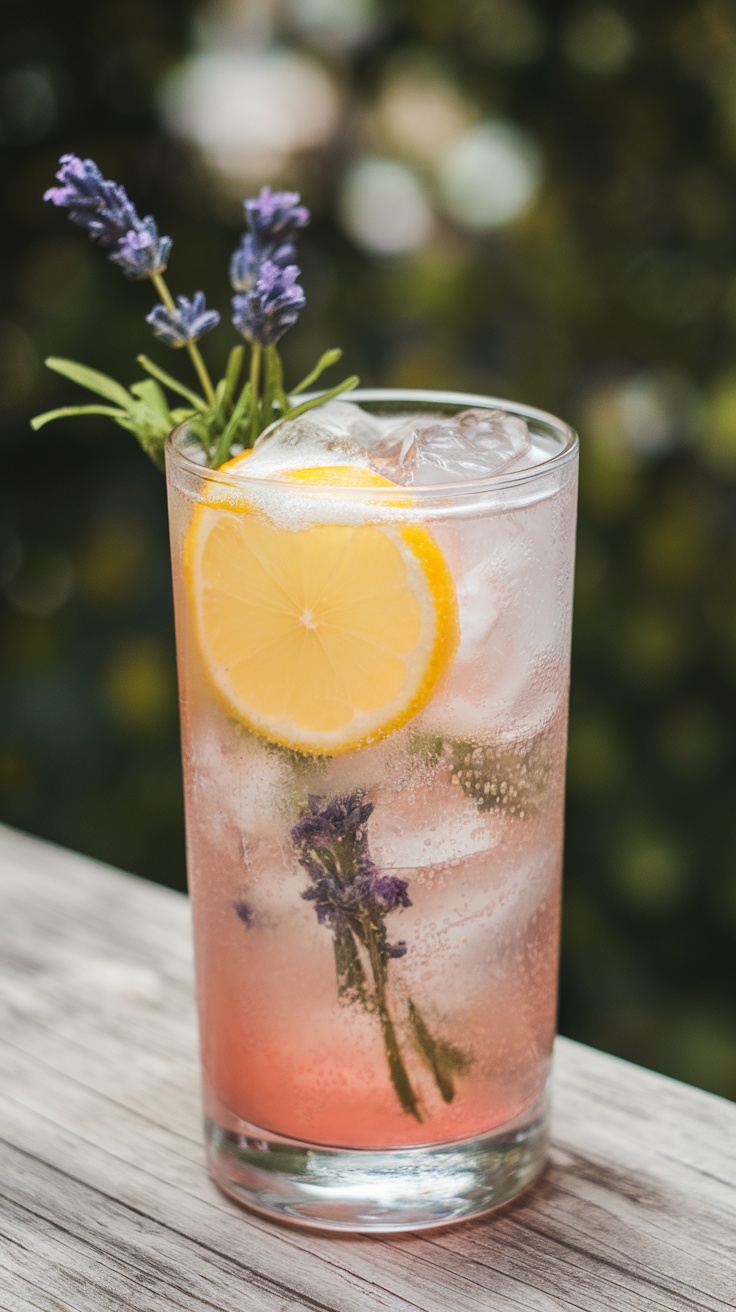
113, 566
420, 113
651, 872
719, 435
599, 39
508, 31
646, 415
43, 584
491, 175
334, 24
19, 364
249, 111
383, 208
139, 686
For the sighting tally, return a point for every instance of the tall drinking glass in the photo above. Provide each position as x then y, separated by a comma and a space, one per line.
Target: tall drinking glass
374, 684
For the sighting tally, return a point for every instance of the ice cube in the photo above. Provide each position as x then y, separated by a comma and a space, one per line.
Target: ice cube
473, 444
429, 827
337, 433
511, 578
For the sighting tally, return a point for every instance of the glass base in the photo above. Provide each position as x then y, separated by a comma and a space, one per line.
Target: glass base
379, 1191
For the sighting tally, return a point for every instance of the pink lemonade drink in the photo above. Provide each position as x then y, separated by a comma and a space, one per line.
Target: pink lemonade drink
373, 625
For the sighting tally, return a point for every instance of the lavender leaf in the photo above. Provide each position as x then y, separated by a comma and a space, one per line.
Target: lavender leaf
347, 386
67, 411
443, 1059
153, 396
173, 384
92, 379
325, 361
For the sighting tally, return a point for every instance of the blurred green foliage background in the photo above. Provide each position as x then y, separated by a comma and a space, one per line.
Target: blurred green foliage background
536, 200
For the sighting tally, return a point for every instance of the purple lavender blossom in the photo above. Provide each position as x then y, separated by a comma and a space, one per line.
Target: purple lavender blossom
187, 323
349, 891
103, 208
273, 219
245, 264
248, 259
275, 215
324, 826
389, 891
263, 315
141, 252
244, 911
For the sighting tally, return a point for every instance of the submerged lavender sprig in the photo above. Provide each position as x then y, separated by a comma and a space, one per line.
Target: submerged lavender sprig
267, 303
187, 323
348, 889
104, 210
353, 898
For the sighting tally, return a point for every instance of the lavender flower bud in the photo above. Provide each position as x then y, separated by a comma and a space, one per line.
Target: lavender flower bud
273, 219
274, 216
243, 911
141, 253
263, 315
109, 217
389, 891
324, 825
187, 323
248, 259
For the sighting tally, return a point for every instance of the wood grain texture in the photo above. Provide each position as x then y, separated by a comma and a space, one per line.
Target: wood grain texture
105, 1205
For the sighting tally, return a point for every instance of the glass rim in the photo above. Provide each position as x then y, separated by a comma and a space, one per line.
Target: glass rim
423, 492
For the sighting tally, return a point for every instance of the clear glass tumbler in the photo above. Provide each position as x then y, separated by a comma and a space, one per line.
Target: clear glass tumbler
374, 685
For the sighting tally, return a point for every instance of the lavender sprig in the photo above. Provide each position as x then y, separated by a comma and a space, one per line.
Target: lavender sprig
264, 275
104, 209
332, 846
187, 323
353, 898
267, 302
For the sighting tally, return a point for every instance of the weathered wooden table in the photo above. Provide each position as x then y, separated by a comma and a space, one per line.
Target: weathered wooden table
104, 1199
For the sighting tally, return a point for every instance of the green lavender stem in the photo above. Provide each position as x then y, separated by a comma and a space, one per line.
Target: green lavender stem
443, 1059
397, 1069
255, 378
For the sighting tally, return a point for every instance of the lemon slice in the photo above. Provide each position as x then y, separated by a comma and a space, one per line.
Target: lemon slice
323, 638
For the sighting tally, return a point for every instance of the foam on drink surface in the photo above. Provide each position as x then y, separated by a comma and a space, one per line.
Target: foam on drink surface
410, 451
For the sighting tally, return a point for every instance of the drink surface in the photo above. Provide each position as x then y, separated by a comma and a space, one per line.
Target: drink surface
375, 875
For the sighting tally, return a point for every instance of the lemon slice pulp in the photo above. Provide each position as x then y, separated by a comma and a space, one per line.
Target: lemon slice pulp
322, 638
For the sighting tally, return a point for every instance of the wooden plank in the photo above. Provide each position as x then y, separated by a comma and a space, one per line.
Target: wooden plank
105, 1204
